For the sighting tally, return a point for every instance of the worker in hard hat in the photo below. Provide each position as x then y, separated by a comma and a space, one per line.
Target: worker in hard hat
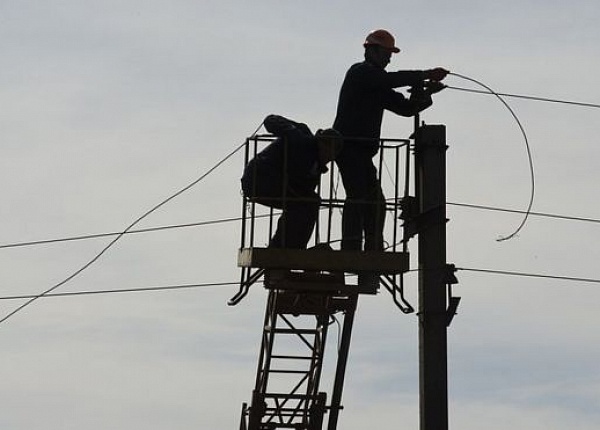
285, 175
368, 90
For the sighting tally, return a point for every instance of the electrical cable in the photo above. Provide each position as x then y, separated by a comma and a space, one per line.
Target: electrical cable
125, 290
218, 284
124, 232
142, 230
520, 96
539, 214
530, 275
236, 219
101, 235
529, 156
521, 274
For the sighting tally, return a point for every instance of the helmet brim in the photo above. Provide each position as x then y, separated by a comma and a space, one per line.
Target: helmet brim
395, 49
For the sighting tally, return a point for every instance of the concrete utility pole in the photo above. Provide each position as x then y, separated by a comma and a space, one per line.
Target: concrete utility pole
430, 162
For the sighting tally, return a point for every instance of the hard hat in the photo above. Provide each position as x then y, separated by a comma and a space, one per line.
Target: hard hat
382, 38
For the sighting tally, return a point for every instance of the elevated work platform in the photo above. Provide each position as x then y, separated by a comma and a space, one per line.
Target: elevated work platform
374, 268
327, 260
308, 291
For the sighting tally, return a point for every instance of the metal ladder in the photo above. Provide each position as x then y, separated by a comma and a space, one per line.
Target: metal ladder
300, 308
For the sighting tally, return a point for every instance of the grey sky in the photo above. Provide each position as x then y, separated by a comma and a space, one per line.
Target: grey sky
110, 107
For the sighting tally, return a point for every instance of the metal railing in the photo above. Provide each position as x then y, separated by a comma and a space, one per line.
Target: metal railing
393, 162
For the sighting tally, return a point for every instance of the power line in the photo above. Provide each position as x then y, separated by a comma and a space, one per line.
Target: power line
237, 219
101, 235
120, 235
516, 211
542, 99
219, 284
530, 275
125, 290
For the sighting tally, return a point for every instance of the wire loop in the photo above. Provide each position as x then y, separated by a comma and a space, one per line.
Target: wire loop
529, 156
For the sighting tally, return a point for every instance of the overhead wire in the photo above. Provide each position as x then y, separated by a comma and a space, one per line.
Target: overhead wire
129, 229
101, 235
529, 275
487, 91
123, 290
520, 274
237, 219
526, 97
529, 155
219, 284
531, 213
141, 230
125, 231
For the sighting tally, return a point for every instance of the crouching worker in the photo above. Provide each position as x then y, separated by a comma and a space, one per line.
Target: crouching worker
285, 175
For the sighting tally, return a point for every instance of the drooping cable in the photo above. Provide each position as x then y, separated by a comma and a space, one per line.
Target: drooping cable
529, 156
126, 230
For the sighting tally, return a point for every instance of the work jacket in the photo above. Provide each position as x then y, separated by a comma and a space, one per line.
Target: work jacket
366, 92
289, 163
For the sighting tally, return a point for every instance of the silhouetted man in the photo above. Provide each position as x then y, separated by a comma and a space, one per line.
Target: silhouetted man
285, 174
366, 92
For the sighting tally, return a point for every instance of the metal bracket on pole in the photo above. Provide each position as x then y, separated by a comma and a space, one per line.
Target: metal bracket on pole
453, 301
415, 222
451, 311
450, 276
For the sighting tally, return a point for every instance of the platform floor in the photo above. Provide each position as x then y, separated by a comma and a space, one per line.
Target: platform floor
324, 260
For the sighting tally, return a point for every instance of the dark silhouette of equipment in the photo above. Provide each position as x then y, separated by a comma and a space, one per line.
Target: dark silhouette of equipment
311, 289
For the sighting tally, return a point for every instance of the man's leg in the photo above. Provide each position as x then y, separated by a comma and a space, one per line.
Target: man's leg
375, 218
352, 170
297, 222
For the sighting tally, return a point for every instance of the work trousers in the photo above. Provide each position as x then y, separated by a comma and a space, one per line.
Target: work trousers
300, 209
364, 207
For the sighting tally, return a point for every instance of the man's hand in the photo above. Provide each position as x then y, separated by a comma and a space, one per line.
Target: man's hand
437, 74
432, 87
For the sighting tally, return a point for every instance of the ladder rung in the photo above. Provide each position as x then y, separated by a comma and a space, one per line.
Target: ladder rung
286, 411
281, 426
298, 372
290, 396
292, 330
292, 357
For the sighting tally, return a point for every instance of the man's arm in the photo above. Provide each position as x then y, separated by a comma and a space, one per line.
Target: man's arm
400, 105
373, 78
420, 99
403, 78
